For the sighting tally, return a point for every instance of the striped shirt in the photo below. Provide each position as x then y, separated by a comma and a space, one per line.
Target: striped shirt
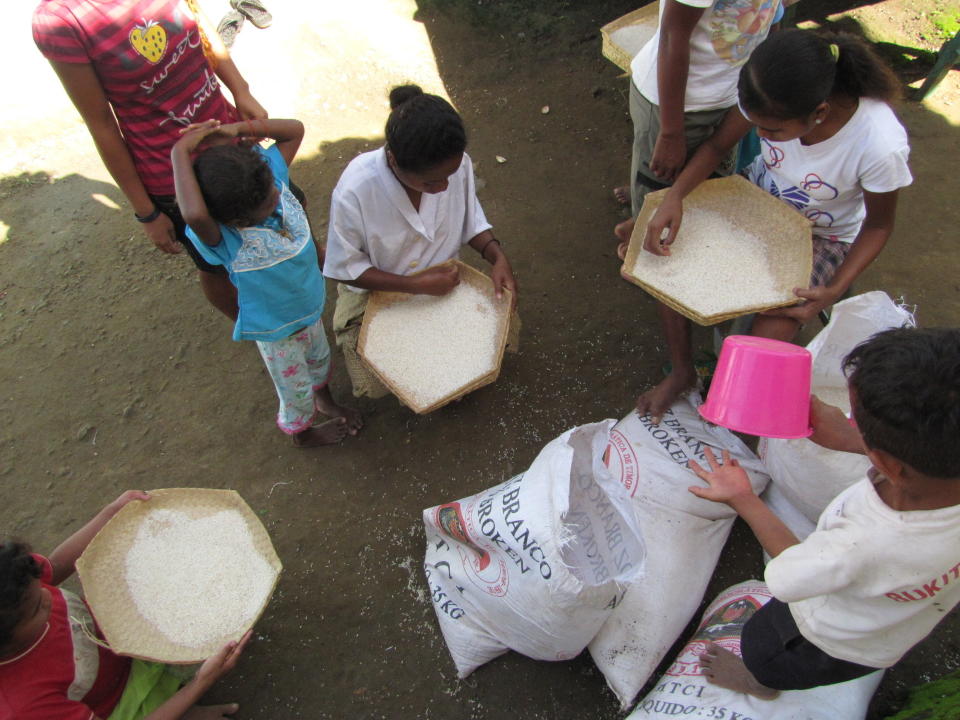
149, 58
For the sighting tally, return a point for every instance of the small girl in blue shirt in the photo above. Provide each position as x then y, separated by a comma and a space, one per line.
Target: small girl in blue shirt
236, 201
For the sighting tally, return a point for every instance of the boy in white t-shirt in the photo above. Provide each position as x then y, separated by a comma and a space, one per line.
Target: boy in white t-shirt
684, 80
883, 566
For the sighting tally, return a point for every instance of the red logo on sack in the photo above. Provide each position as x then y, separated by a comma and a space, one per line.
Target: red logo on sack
484, 570
629, 467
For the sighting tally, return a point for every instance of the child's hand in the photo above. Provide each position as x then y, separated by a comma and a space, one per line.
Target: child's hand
502, 275
128, 497
218, 665
669, 156
817, 299
439, 280
728, 482
832, 429
248, 107
663, 227
208, 134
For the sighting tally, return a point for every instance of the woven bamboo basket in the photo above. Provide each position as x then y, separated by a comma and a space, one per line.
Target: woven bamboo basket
380, 300
787, 234
623, 38
101, 569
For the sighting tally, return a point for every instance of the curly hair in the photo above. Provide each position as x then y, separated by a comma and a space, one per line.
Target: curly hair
234, 181
423, 130
906, 397
18, 569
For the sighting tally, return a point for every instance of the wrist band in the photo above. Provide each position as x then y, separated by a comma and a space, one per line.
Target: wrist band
149, 218
483, 252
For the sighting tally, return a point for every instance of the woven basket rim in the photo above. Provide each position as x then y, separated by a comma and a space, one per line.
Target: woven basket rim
732, 186
125, 630
615, 53
380, 299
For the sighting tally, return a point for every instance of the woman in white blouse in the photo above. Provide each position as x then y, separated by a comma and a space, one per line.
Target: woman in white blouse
399, 210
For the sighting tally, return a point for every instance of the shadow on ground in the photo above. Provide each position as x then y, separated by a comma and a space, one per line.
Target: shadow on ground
118, 375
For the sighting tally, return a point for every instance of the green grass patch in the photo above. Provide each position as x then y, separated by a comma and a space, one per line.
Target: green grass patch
937, 700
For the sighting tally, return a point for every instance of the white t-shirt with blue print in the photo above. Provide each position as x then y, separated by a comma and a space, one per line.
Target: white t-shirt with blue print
825, 181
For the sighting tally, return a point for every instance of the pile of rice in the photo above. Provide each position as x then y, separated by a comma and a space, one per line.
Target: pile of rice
431, 347
715, 267
197, 580
632, 38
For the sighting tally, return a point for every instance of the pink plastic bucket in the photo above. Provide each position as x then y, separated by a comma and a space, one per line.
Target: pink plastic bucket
761, 387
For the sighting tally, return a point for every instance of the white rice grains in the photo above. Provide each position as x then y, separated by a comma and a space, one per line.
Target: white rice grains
433, 346
714, 267
197, 581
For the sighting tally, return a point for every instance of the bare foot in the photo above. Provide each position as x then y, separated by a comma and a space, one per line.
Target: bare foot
658, 400
210, 712
721, 667
622, 194
326, 433
325, 405
624, 230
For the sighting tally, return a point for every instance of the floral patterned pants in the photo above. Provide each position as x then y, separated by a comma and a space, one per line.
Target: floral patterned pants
299, 365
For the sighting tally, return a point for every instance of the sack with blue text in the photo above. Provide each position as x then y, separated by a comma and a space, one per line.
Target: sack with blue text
538, 563
683, 533
683, 691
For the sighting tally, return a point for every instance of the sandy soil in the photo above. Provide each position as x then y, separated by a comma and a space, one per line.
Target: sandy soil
117, 374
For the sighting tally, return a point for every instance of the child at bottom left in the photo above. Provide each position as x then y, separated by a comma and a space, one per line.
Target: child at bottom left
236, 200
51, 668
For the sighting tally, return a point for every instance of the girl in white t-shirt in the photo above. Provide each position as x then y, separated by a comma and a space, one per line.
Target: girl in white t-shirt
831, 147
399, 210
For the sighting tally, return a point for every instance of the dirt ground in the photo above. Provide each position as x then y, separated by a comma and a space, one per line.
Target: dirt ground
117, 374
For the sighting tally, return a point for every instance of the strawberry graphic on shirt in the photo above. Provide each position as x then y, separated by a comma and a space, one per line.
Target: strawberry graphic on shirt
150, 40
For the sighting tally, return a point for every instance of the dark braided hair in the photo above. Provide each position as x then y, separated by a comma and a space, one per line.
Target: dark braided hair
17, 570
234, 181
791, 72
423, 130
906, 397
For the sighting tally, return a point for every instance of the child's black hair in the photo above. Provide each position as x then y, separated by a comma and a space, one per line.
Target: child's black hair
791, 72
234, 180
17, 570
905, 386
423, 130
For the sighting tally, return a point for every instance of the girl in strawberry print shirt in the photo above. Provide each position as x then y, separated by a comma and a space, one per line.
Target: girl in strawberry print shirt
139, 71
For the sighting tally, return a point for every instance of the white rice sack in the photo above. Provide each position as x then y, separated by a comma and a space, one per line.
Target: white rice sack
535, 564
684, 692
808, 475
684, 536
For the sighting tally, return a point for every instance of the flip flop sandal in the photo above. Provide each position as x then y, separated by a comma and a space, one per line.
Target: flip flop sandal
229, 27
255, 12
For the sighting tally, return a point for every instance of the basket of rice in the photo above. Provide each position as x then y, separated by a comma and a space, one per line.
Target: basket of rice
431, 350
623, 38
176, 577
739, 251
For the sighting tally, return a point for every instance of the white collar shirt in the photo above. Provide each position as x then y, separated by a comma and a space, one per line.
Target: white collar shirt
373, 224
